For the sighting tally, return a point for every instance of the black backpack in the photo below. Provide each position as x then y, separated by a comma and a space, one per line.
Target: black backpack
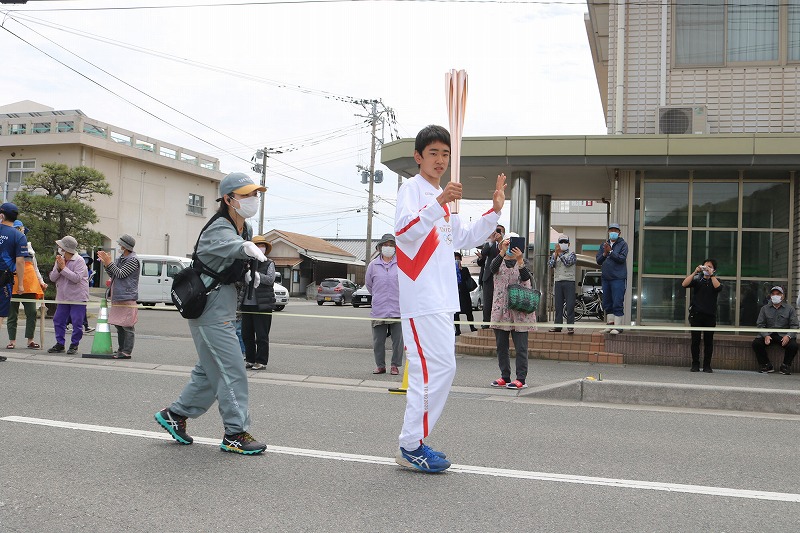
189, 293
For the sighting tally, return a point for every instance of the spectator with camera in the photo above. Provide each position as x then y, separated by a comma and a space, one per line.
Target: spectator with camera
703, 310
562, 261
776, 315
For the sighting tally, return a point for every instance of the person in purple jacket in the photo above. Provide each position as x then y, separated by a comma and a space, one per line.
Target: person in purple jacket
382, 284
72, 285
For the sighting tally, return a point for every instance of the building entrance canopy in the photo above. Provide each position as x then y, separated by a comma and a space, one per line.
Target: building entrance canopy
584, 167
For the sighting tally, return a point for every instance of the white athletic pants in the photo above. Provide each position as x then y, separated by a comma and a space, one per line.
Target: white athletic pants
430, 343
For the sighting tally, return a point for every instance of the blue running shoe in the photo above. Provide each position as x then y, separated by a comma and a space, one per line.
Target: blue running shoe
175, 424
423, 458
440, 455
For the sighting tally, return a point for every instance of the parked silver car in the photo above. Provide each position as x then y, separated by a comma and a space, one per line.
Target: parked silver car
362, 297
337, 290
477, 295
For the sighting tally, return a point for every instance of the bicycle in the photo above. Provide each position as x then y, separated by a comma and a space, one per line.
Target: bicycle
590, 305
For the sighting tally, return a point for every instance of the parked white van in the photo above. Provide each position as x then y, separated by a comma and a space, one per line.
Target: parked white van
155, 277
155, 280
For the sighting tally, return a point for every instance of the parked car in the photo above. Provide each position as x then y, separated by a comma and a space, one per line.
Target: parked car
477, 295
155, 277
591, 282
337, 290
362, 297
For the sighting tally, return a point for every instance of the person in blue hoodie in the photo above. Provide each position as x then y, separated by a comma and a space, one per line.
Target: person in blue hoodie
612, 258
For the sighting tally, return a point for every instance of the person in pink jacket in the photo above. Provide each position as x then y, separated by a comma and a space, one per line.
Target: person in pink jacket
72, 287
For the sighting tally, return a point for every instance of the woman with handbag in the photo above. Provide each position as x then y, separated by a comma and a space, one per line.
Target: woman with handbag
508, 269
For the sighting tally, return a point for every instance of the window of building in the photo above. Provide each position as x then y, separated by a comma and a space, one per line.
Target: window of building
120, 138
41, 127
794, 30
16, 173
742, 222
64, 127
16, 129
719, 32
195, 205
93, 129
167, 152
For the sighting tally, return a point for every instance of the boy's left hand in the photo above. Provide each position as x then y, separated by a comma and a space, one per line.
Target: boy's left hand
499, 197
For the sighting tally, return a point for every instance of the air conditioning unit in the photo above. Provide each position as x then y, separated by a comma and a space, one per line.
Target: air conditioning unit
678, 120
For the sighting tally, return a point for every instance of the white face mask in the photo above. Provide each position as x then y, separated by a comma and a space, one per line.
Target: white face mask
263, 249
776, 298
248, 207
387, 251
61, 252
564, 247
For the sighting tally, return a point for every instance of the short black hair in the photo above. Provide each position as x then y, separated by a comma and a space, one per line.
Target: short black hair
458, 255
429, 135
501, 226
712, 261
11, 216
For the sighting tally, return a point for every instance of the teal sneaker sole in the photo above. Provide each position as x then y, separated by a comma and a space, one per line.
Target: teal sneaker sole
164, 424
231, 449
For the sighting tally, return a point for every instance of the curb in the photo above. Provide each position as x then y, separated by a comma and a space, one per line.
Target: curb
775, 401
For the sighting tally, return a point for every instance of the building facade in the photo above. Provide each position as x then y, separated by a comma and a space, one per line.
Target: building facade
163, 194
701, 160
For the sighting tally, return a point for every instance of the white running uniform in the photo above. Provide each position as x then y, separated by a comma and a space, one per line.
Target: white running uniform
426, 236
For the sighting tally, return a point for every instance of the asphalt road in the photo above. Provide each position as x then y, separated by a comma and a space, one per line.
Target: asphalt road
84, 454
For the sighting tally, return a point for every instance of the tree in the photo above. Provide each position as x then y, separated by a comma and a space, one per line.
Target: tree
57, 202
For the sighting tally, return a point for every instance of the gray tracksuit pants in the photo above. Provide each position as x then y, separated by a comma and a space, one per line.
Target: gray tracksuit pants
218, 375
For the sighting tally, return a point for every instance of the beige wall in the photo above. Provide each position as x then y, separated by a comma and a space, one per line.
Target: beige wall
149, 200
744, 99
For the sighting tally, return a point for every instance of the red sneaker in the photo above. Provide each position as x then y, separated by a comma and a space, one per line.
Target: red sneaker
499, 383
394, 371
379, 370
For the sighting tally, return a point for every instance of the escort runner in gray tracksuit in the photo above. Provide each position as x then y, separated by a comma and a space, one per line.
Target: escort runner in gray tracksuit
223, 249
219, 372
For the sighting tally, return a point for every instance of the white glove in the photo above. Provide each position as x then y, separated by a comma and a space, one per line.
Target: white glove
252, 250
247, 279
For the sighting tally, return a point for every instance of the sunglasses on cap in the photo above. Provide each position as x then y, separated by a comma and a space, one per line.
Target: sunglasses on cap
563, 241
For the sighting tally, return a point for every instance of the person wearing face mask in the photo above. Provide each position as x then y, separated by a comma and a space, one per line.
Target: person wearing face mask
72, 286
256, 308
612, 258
465, 286
13, 251
382, 283
34, 287
776, 315
562, 261
222, 253
703, 310
486, 255
509, 268
124, 290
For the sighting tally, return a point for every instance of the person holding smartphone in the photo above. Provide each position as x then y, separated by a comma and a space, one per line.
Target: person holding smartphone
486, 255
703, 310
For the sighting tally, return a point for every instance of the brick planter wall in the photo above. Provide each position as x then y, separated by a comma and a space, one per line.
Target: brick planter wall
732, 352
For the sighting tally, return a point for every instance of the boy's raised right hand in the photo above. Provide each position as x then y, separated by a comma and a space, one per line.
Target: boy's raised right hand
452, 191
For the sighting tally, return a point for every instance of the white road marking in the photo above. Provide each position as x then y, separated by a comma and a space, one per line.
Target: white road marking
464, 469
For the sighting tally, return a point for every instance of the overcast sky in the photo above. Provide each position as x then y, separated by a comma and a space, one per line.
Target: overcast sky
283, 76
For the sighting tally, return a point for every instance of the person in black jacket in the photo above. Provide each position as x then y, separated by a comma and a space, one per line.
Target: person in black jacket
703, 310
465, 286
256, 307
486, 254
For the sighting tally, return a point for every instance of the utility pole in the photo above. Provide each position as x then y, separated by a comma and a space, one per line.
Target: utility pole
374, 119
370, 175
262, 154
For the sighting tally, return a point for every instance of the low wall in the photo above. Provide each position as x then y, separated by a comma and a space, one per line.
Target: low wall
732, 352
